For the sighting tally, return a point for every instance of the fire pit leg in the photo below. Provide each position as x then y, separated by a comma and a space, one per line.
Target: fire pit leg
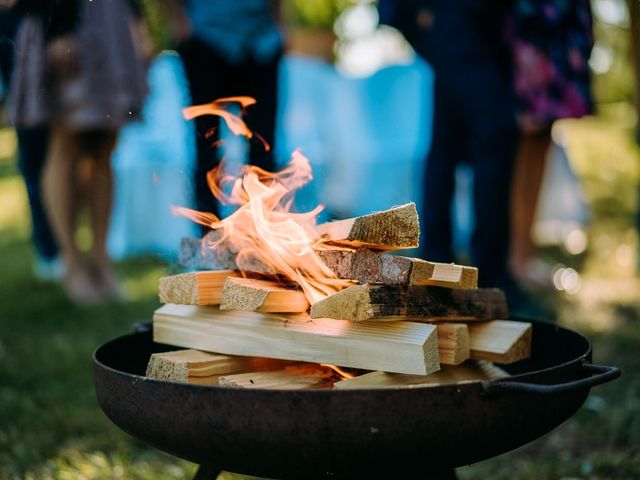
207, 472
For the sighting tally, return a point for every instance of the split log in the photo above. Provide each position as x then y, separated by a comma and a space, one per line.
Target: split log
254, 295
194, 288
211, 253
362, 265
367, 266
360, 303
500, 341
465, 373
393, 229
453, 343
295, 377
194, 366
404, 347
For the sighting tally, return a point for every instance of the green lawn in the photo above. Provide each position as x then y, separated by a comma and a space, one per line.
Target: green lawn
51, 426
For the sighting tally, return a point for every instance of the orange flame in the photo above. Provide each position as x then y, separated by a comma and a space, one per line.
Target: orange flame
234, 122
263, 228
343, 373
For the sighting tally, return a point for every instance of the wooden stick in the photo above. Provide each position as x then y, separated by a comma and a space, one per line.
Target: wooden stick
362, 265
465, 373
254, 295
500, 341
404, 347
295, 377
384, 303
194, 288
453, 343
194, 366
367, 266
212, 253
392, 229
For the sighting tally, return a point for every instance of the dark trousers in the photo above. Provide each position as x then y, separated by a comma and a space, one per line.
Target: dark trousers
473, 123
210, 77
32, 154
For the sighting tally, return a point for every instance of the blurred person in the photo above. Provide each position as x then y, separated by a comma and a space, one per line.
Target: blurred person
79, 69
228, 48
551, 42
473, 122
32, 152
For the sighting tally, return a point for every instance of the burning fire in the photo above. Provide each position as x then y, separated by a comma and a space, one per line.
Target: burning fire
264, 227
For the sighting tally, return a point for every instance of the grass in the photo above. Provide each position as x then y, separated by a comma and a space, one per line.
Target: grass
52, 428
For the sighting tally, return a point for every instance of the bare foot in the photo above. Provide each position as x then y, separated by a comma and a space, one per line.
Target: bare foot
106, 281
80, 288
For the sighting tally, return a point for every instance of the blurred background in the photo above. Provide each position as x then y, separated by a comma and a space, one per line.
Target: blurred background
359, 102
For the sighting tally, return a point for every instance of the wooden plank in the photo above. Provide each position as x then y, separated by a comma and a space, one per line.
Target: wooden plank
194, 288
295, 377
195, 366
500, 341
360, 303
442, 274
404, 347
393, 229
367, 266
255, 295
453, 343
471, 371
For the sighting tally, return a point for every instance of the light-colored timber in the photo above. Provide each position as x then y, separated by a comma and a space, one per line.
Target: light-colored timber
393, 229
453, 343
195, 366
404, 347
255, 295
194, 288
500, 341
470, 371
360, 303
367, 266
295, 377
442, 274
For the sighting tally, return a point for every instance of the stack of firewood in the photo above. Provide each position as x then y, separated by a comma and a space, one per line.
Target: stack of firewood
404, 321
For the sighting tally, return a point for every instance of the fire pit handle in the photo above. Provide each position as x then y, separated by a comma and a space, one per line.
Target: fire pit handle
141, 327
599, 374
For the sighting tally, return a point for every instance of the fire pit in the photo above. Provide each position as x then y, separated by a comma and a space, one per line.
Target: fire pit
350, 433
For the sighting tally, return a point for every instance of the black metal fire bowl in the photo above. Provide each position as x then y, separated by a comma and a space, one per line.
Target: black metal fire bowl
350, 433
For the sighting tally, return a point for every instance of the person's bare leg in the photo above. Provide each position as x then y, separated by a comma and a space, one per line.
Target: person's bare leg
60, 193
100, 201
527, 179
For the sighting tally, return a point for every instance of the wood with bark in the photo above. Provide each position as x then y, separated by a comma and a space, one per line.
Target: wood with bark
194, 288
360, 303
255, 295
393, 229
471, 371
453, 343
195, 366
404, 347
211, 253
362, 265
294, 377
367, 266
500, 341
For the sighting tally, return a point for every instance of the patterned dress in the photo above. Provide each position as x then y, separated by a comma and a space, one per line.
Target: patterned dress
551, 44
107, 88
